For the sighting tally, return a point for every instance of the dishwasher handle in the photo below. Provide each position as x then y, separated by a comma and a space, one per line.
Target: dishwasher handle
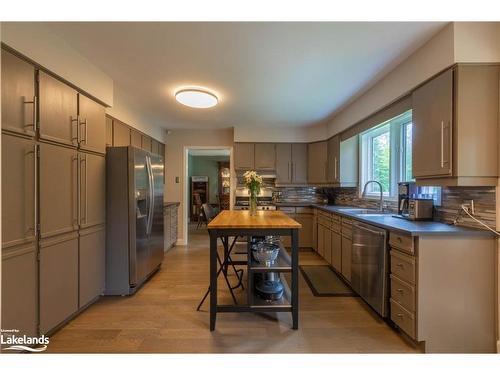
375, 232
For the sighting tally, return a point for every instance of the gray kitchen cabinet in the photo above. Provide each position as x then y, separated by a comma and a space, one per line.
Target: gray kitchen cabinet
161, 150
58, 273
306, 232
321, 240
92, 188
448, 149
155, 147
336, 251
328, 241
265, 156
109, 131
20, 289
18, 190
135, 138
146, 143
170, 225
121, 134
58, 190
92, 256
92, 118
299, 163
432, 127
346, 257
317, 162
333, 152
291, 163
283, 163
244, 156
18, 95
58, 111
349, 162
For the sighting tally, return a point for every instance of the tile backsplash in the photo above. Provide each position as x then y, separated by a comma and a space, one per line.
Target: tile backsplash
451, 199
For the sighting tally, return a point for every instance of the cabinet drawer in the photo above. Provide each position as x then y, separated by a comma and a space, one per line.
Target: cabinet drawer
403, 266
325, 222
347, 232
336, 219
403, 318
335, 227
288, 210
401, 241
304, 210
403, 293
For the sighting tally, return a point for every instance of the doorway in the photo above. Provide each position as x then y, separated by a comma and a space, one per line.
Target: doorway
207, 187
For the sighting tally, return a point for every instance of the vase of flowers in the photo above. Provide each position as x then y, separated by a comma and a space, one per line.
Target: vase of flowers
252, 182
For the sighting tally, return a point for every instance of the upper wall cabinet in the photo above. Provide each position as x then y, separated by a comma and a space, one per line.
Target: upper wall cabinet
109, 131
18, 95
244, 154
291, 163
92, 125
155, 147
333, 150
455, 127
349, 157
58, 111
146, 143
265, 156
121, 134
317, 162
135, 138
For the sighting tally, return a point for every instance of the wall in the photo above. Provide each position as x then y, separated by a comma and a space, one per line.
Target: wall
35, 41
176, 145
207, 166
317, 132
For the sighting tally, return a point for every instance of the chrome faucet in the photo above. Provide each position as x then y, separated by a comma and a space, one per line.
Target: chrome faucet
381, 204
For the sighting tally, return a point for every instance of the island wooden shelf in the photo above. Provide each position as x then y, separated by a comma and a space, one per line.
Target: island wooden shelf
264, 223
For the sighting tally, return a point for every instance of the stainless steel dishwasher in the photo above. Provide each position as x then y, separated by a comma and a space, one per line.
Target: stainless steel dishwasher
369, 265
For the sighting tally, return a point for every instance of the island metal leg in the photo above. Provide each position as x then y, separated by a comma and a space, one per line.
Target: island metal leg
295, 278
213, 279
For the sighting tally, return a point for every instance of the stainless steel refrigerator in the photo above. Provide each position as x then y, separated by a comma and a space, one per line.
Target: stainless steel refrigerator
134, 218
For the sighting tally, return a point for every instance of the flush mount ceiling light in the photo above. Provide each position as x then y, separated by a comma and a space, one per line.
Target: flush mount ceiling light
196, 98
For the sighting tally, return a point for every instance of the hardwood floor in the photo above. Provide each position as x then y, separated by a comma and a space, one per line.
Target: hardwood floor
162, 318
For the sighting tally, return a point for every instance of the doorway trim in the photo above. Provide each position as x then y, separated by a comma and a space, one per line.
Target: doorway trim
185, 182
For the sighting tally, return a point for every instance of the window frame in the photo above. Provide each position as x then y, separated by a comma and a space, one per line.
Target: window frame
397, 147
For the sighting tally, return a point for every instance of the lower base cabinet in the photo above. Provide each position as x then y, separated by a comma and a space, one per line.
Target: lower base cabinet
336, 251
92, 257
58, 280
19, 289
346, 257
306, 232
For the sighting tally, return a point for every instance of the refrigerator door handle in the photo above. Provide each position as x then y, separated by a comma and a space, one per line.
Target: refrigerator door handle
151, 195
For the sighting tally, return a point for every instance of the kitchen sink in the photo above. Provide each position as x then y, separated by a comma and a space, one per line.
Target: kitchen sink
372, 214
358, 211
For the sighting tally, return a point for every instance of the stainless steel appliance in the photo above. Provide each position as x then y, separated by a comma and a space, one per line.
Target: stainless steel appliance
264, 199
406, 191
369, 265
134, 218
420, 208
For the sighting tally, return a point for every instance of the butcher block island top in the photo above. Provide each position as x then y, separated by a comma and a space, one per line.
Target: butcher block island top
241, 219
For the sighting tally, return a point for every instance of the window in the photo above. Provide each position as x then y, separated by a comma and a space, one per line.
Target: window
386, 155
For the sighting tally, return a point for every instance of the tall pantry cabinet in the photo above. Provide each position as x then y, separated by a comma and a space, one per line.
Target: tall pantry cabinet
53, 176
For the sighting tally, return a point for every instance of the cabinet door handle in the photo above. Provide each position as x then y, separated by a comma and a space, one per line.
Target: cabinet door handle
76, 194
84, 218
35, 191
82, 139
335, 169
400, 265
442, 144
400, 290
75, 120
34, 113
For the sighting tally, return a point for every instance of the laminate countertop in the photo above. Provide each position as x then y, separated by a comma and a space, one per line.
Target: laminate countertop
414, 228
387, 221
241, 219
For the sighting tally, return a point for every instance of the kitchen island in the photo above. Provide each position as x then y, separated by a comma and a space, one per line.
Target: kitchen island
265, 223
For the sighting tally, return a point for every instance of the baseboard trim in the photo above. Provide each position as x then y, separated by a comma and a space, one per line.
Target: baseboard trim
181, 242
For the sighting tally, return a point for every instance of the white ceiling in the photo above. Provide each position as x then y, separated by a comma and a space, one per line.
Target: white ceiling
266, 74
